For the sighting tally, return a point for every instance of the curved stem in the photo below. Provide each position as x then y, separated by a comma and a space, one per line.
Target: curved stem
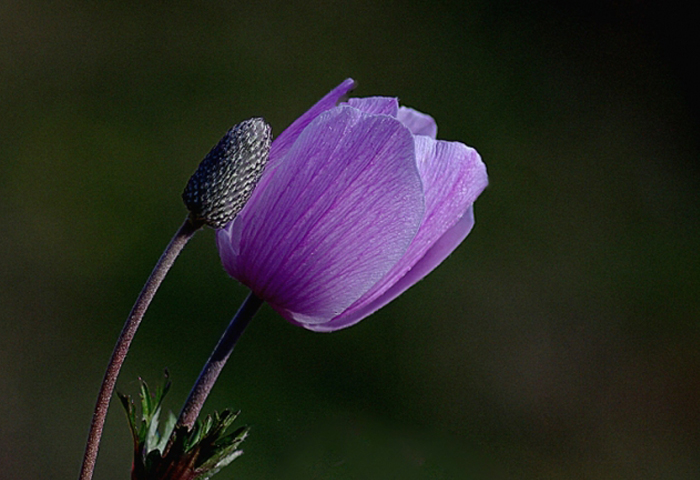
216, 361
179, 240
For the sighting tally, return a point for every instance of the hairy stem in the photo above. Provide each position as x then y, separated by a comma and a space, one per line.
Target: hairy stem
179, 240
217, 360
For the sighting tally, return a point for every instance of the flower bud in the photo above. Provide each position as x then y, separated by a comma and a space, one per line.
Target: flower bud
225, 179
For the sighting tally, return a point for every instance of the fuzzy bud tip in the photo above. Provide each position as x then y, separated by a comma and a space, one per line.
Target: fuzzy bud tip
225, 179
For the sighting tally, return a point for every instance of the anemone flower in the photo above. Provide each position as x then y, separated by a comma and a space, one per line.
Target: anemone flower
358, 202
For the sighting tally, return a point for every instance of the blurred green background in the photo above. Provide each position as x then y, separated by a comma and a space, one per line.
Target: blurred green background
560, 341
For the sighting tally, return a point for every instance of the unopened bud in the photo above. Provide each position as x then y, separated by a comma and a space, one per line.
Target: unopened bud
225, 179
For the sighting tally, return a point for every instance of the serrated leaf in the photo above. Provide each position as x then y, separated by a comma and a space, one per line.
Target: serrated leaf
195, 454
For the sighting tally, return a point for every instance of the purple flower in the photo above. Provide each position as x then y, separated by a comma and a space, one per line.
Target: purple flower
358, 202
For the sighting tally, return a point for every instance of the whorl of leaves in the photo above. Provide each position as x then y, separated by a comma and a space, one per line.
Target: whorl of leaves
195, 454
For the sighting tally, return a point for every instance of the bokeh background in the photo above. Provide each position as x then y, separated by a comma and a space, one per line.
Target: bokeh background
560, 341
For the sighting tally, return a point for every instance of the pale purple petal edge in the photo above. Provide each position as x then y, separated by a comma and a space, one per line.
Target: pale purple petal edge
418, 123
286, 139
376, 105
434, 257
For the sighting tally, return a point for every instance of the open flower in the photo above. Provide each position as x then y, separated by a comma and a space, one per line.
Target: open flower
358, 202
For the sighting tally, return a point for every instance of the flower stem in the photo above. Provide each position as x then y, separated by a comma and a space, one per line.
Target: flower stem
216, 361
179, 240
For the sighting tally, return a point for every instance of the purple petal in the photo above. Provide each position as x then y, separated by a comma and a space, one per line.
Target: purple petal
376, 105
436, 255
418, 123
282, 144
453, 177
284, 140
336, 215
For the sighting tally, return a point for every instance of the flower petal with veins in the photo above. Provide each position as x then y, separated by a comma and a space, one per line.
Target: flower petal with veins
360, 202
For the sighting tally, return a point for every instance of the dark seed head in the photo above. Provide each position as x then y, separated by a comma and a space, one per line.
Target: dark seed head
225, 179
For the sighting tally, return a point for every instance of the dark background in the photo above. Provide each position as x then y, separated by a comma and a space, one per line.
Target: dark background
560, 341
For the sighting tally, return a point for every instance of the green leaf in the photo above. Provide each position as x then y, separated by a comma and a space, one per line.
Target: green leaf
174, 453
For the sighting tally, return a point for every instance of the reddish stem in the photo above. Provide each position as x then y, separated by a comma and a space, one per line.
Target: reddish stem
179, 240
